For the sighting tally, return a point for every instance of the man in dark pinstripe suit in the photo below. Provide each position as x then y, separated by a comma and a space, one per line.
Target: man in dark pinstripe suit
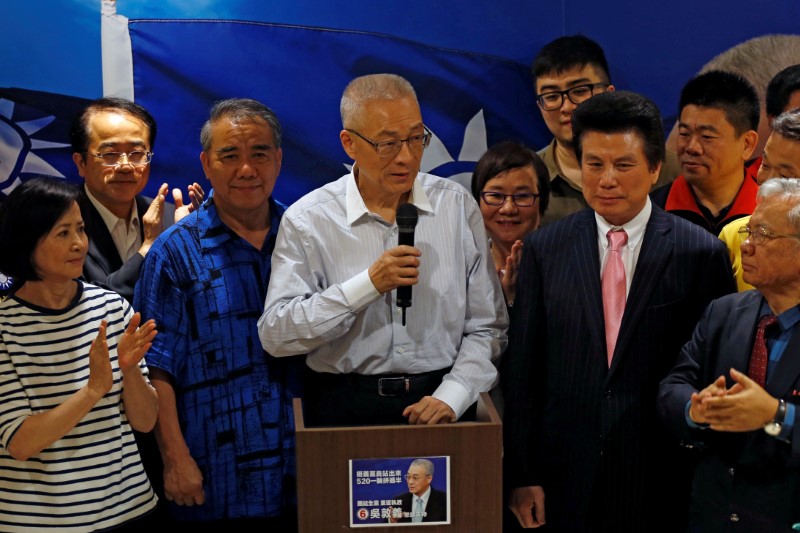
580, 424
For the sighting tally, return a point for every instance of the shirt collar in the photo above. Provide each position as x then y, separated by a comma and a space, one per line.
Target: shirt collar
356, 208
214, 232
108, 217
786, 320
634, 228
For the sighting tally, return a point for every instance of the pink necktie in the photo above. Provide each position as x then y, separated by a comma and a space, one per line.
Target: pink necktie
757, 370
614, 289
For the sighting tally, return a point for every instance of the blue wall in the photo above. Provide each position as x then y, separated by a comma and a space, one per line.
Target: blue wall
653, 47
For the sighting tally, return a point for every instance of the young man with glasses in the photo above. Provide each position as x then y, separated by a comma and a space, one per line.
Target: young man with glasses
112, 142
337, 264
566, 72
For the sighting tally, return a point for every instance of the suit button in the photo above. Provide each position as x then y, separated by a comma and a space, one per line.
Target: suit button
734, 517
609, 395
730, 471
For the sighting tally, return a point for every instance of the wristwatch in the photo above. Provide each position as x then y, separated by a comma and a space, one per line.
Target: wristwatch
773, 428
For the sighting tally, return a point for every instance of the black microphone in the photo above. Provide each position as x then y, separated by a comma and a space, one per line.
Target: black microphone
406, 222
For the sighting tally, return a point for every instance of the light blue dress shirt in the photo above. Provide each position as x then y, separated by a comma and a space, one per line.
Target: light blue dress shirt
322, 302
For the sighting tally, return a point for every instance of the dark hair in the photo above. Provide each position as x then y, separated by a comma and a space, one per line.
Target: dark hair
508, 155
729, 92
565, 53
236, 110
26, 216
621, 112
79, 131
780, 89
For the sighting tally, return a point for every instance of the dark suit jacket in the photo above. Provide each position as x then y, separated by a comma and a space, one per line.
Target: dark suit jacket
752, 475
435, 511
103, 266
588, 434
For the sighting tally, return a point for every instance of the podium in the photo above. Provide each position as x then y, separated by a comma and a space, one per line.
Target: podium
475, 462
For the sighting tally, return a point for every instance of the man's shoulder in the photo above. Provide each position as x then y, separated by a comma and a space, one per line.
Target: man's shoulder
329, 192
564, 226
689, 232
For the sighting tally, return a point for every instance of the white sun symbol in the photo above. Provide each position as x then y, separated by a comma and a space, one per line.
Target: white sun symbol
472, 148
16, 148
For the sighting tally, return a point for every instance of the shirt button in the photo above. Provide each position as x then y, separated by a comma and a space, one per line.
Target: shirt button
401, 350
734, 517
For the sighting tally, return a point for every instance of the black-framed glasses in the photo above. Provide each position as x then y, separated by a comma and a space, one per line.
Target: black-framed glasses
137, 158
761, 235
498, 198
552, 100
392, 148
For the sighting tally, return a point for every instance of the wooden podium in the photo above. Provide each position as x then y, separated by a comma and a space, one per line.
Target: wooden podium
474, 448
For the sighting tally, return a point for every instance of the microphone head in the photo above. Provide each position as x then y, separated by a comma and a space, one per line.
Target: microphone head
407, 216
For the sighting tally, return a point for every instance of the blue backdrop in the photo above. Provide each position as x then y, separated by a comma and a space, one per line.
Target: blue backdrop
468, 60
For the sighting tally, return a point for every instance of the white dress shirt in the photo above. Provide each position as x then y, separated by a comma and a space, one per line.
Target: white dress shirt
126, 235
630, 252
322, 302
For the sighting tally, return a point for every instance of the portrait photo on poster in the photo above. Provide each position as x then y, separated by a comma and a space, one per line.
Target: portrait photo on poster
400, 490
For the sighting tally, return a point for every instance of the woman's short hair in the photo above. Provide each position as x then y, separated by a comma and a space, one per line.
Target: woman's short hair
508, 155
26, 216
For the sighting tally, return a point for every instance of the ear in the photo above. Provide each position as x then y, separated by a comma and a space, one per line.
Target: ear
206, 162
279, 158
347, 143
655, 173
80, 162
749, 142
611, 88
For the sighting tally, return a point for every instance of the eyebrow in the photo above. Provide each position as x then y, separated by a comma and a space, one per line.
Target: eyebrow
701, 127
115, 144
570, 84
396, 133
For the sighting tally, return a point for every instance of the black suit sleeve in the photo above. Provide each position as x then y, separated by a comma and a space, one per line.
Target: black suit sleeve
521, 373
121, 281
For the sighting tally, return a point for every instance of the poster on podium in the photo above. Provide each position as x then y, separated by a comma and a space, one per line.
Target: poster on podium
405, 490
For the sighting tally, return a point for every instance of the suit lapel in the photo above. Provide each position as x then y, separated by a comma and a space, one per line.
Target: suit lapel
101, 246
585, 259
656, 253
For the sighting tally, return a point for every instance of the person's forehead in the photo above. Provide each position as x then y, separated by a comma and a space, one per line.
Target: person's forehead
695, 116
616, 144
249, 129
771, 212
569, 77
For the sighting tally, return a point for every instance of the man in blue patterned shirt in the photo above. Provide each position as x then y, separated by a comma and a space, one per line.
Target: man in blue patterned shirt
225, 429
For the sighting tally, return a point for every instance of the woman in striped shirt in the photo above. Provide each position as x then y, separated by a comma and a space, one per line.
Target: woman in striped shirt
73, 381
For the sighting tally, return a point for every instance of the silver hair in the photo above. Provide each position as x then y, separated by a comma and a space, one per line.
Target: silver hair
785, 189
788, 125
368, 88
424, 463
240, 110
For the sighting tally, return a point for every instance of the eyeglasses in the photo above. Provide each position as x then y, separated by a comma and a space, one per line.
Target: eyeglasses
137, 158
550, 101
392, 148
498, 198
415, 477
761, 235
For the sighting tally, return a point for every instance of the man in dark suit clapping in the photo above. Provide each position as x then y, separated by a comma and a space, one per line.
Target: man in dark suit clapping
605, 299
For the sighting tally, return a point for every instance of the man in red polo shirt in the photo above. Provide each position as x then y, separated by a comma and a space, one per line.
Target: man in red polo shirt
719, 113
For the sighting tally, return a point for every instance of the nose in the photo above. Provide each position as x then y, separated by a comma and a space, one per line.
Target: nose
247, 169
508, 205
693, 145
567, 106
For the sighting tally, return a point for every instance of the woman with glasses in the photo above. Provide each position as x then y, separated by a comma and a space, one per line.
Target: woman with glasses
73, 381
512, 187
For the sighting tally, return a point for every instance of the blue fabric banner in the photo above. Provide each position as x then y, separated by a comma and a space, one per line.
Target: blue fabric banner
34, 136
469, 101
